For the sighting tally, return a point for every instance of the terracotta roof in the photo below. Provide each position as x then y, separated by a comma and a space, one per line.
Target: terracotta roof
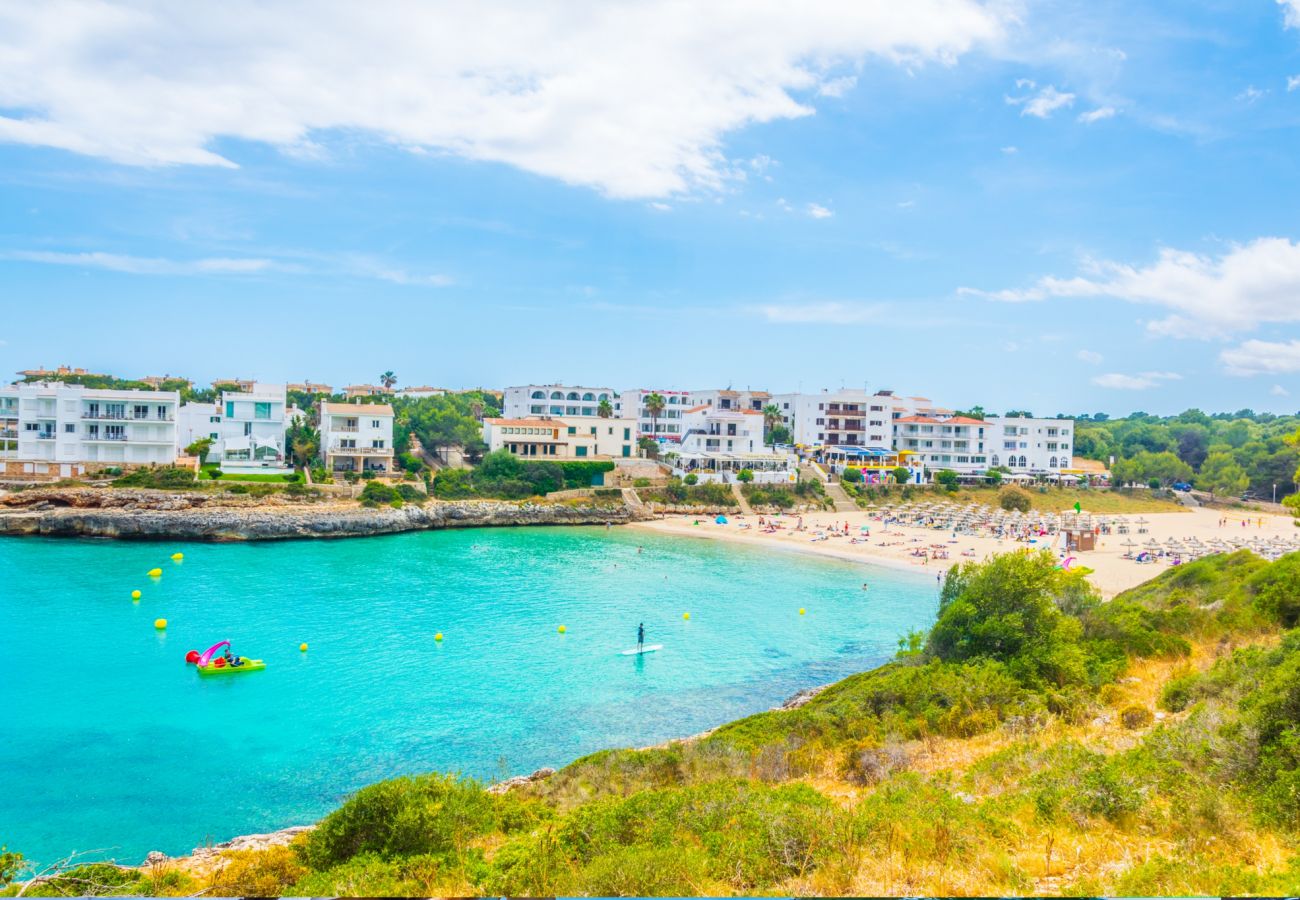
751, 412
923, 419
697, 408
964, 420
728, 393
363, 409
759, 394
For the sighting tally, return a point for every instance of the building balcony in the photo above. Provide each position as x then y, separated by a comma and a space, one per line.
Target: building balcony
100, 438
346, 429
361, 451
123, 417
45, 435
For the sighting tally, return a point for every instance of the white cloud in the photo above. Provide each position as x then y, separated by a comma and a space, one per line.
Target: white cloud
831, 313
633, 99
1290, 12
1091, 357
1248, 285
1292, 82
1278, 391
817, 211
1096, 115
1139, 382
1042, 104
660, 206
144, 265
350, 265
1250, 95
1010, 151
838, 87
1262, 358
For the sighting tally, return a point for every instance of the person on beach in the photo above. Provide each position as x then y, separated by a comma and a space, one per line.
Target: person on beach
640, 637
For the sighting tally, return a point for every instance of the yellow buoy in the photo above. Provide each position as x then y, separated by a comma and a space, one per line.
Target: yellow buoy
135, 595
303, 647
801, 610
160, 624
562, 629
155, 573
178, 556
438, 636
686, 615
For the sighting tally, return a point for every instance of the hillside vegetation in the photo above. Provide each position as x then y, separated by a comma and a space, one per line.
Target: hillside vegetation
1035, 741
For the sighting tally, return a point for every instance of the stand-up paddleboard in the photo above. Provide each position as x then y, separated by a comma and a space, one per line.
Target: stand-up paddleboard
649, 648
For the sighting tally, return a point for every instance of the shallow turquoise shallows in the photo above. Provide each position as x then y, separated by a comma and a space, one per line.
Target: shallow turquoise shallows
111, 742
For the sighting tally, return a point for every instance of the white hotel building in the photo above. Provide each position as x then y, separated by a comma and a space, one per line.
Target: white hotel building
247, 429
553, 400
667, 427
56, 430
718, 443
973, 446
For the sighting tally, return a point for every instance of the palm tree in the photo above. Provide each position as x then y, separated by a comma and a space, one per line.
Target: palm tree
605, 409
771, 415
654, 405
388, 379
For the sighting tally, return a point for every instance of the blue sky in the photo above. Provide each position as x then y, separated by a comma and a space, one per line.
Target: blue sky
1061, 206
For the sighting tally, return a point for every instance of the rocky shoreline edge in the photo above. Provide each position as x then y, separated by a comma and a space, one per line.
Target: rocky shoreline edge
211, 516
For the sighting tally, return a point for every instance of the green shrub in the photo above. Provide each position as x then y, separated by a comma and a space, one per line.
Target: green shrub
427, 814
691, 479
1013, 498
378, 492
410, 493
641, 482
160, 478
257, 873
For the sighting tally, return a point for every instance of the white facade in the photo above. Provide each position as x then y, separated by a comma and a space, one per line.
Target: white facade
728, 399
849, 418
55, 429
553, 400
573, 437
357, 437
718, 443
420, 393
1032, 446
667, 427
246, 428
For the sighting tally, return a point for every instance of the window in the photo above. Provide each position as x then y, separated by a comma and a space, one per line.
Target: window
31, 426
994, 460
261, 410
214, 420
248, 428
573, 430
214, 436
627, 434
69, 428
539, 395
1051, 464
374, 423
378, 445
579, 451
139, 411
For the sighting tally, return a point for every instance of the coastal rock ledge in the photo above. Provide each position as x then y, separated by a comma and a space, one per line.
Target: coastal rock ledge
213, 516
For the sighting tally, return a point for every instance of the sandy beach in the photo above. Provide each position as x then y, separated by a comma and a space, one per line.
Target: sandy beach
894, 546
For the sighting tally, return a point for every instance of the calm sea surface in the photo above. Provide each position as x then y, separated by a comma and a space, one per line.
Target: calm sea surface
109, 741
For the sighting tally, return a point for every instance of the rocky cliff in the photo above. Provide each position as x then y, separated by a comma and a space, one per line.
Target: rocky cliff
218, 516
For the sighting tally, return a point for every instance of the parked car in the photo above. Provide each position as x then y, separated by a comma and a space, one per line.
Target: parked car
1181, 486
1249, 495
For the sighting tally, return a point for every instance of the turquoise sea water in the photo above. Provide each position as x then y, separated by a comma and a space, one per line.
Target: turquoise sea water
109, 741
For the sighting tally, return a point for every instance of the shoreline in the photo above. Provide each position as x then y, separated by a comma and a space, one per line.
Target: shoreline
892, 548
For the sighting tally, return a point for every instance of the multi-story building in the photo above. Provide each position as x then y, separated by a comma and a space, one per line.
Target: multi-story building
573, 437
1032, 446
239, 384
849, 418
60, 430
60, 372
419, 393
357, 437
951, 442
310, 387
667, 426
717, 444
361, 391
727, 398
554, 400
246, 429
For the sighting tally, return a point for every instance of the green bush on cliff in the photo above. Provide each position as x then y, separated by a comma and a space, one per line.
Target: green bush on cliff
161, 478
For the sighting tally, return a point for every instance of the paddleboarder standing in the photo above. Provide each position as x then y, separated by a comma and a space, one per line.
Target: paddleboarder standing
640, 637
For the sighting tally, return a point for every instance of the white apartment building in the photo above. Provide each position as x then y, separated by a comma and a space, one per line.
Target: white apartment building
51, 429
554, 400
357, 437
420, 392
973, 446
718, 443
726, 398
246, 427
1032, 446
574, 437
849, 418
667, 427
